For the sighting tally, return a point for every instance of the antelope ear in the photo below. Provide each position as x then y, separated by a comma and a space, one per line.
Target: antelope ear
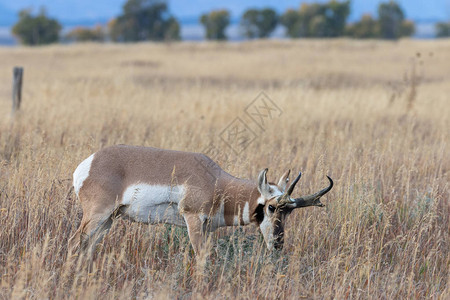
284, 180
263, 186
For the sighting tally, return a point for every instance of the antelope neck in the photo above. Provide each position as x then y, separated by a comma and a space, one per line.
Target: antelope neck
239, 198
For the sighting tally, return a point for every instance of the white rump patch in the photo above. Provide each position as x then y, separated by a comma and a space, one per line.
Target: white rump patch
81, 173
154, 203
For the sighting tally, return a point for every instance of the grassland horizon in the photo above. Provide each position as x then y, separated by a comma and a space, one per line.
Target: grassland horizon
374, 115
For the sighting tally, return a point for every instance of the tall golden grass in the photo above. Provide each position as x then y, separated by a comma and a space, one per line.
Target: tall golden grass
373, 115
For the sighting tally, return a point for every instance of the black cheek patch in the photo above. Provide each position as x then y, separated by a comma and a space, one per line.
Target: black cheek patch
258, 214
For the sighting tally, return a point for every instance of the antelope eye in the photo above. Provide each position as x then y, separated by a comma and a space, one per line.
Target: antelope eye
271, 208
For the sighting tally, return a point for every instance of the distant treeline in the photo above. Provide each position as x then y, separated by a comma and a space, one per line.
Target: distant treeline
151, 20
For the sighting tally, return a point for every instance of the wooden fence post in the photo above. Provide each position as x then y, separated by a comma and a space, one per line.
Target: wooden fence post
17, 88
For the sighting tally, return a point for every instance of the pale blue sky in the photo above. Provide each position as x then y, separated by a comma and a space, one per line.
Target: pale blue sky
89, 12
72, 10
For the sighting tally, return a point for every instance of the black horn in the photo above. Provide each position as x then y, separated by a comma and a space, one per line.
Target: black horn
313, 200
292, 186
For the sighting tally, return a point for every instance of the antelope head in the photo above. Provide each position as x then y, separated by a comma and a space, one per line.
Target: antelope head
275, 204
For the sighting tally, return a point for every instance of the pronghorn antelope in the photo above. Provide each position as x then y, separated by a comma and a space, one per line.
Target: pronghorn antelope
187, 189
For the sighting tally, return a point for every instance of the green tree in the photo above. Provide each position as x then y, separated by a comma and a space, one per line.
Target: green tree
366, 28
215, 24
291, 20
392, 21
317, 20
336, 14
36, 30
407, 28
300, 23
443, 30
259, 23
82, 34
143, 20
318, 27
311, 17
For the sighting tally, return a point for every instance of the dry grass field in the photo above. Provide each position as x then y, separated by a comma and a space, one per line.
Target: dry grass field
373, 115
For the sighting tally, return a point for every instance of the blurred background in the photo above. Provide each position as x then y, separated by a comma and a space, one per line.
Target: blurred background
84, 20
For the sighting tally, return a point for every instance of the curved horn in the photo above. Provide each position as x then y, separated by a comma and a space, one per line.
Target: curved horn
312, 200
292, 186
